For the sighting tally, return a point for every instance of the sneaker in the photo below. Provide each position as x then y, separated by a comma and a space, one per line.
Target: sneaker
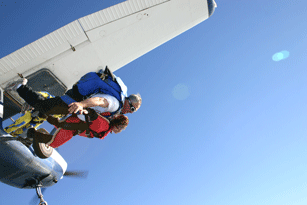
31, 133
13, 86
39, 137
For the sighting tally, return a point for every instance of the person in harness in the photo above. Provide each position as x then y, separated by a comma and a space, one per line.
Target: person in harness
74, 126
102, 91
106, 90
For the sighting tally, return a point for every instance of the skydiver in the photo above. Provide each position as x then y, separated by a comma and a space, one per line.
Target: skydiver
113, 88
102, 91
74, 126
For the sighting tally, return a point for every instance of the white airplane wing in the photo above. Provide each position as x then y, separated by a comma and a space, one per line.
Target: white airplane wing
114, 37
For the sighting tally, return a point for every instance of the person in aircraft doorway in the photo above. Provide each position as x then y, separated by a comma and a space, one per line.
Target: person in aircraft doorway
91, 124
102, 91
108, 86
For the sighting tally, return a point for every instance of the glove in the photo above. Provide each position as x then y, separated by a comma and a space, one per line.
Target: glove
92, 114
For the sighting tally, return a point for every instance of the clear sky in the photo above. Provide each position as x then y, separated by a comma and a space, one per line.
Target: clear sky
223, 119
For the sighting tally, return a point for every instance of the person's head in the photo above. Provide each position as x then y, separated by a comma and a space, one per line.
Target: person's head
119, 123
132, 103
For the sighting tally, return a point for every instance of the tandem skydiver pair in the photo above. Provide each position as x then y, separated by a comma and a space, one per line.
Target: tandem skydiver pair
97, 103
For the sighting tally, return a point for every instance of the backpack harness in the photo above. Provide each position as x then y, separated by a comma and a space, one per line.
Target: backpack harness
102, 82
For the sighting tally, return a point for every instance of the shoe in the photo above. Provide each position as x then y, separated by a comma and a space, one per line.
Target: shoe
38, 136
13, 85
30, 133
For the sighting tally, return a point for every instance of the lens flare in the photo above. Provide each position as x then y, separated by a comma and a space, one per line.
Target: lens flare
280, 55
181, 92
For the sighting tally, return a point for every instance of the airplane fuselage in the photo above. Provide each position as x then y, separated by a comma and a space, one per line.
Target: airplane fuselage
21, 168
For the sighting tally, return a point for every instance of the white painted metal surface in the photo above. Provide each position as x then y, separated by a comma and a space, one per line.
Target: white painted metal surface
114, 36
1, 105
42, 50
117, 12
59, 159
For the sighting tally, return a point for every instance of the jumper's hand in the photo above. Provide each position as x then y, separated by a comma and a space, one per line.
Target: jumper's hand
75, 107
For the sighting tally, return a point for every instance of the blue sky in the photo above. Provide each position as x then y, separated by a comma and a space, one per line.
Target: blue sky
222, 121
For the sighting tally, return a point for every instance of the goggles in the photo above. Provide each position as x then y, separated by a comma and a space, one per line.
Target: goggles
132, 108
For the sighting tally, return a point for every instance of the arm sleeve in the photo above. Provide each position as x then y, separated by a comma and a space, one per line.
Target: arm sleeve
66, 125
74, 126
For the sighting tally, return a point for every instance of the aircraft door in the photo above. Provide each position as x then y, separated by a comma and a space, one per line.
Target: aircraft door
42, 80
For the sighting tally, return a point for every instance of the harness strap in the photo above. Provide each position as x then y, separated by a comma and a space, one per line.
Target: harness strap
106, 73
87, 133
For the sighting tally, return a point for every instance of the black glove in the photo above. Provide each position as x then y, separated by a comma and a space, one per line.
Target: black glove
92, 114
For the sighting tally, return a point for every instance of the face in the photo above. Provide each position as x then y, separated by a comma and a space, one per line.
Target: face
128, 105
